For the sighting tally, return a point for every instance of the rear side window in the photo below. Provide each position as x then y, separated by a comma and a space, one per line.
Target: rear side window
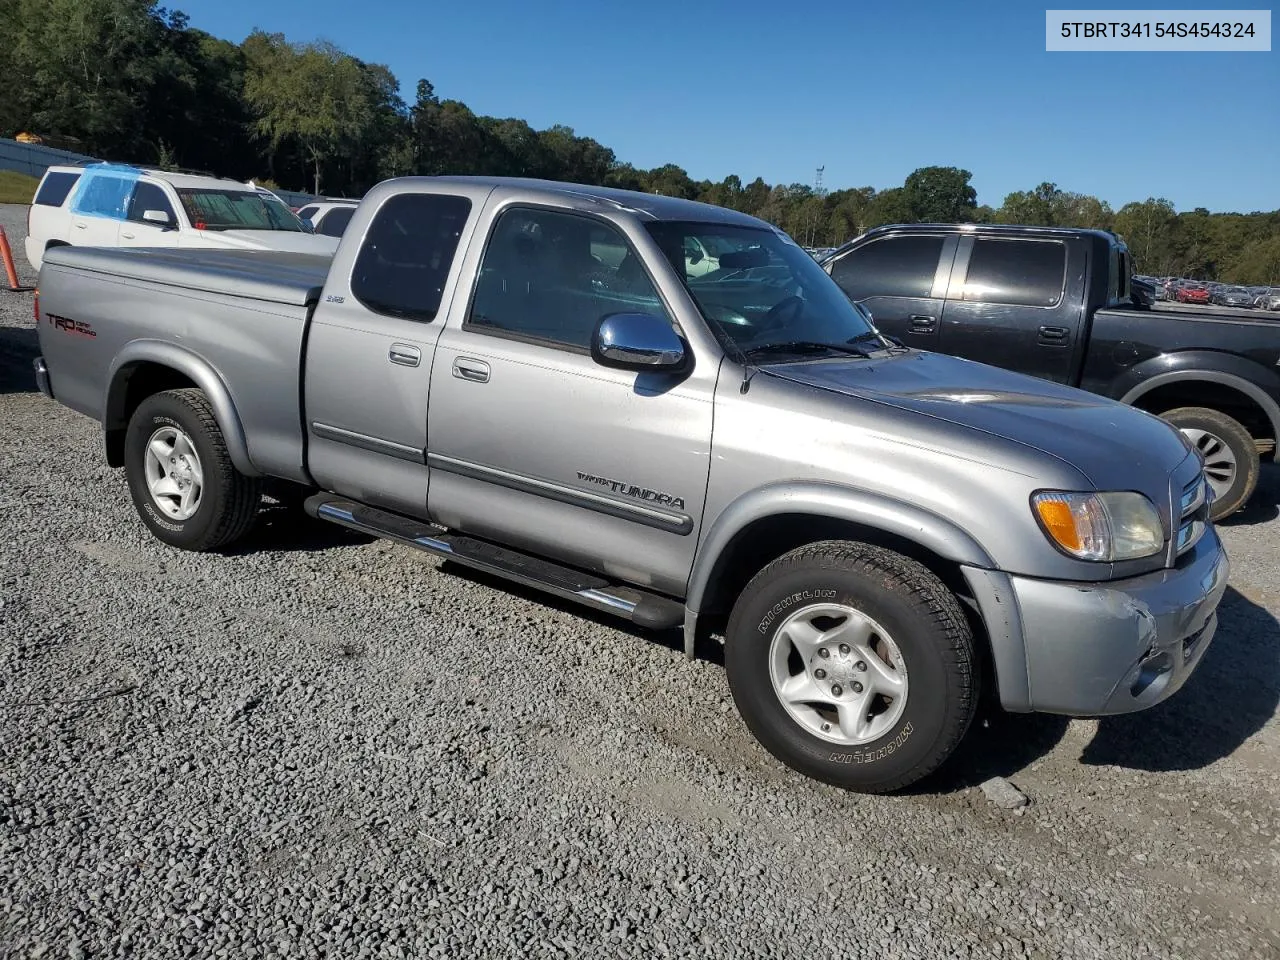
335, 221
1028, 273
54, 189
306, 213
892, 267
406, 255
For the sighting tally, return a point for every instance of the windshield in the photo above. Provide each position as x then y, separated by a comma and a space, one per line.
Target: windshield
758, 289
237, 210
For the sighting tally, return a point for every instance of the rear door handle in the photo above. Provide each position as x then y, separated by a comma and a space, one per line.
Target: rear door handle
467, 369
922, 324
405, 355
127, 236
1054, 334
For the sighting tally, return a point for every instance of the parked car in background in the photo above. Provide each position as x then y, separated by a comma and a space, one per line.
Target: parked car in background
329, 217
1057, 303
1192, 293
880, 533
1233, 297
1270, 300
113, 205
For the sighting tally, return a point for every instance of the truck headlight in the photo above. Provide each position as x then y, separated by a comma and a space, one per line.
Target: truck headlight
1100, 526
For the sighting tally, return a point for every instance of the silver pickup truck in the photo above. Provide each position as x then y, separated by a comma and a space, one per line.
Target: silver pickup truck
541, 380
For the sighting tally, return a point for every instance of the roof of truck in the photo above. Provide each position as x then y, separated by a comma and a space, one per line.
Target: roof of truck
654, 206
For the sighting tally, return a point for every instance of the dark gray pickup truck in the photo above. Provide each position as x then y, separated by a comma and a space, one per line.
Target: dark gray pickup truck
1055, 303
545, 381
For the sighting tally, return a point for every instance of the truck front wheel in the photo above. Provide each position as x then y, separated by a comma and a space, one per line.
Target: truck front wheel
853, 665
1229, 452
183, 483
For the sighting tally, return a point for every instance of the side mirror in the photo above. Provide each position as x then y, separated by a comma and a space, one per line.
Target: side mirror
157, 216
637, 341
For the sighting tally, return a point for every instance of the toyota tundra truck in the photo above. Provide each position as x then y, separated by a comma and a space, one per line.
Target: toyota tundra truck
530, 378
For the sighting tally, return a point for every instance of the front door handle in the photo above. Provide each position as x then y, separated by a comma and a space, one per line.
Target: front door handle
467, 369
405, 355
922, 324
1054, 334
82, 226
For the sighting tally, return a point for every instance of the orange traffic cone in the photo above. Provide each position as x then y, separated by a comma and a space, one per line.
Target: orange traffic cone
11, 271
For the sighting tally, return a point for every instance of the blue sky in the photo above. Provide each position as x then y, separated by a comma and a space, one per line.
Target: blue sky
871, 91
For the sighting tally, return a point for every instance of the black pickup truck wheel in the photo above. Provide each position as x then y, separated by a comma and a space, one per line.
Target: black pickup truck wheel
1230, 455
853, 665
183, 483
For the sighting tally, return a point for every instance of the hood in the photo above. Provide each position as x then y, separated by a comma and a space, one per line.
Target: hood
1109, 442
283, 240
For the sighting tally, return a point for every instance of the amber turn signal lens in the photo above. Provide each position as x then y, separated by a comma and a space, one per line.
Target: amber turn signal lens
1057, 519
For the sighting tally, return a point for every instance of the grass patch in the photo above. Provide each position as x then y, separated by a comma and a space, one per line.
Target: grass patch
16, 187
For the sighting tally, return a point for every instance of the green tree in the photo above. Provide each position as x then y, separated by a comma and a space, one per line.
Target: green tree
940, 195
313, 94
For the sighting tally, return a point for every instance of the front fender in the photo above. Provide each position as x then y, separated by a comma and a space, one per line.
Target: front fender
198, 371
935, 533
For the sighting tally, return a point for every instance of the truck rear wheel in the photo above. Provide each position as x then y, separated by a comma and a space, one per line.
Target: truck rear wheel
1230, 455
183, 483
853, 665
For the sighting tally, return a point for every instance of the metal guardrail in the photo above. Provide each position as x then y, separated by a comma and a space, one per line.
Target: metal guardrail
33, 159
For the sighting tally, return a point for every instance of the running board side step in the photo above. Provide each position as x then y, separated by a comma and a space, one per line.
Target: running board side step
640, 607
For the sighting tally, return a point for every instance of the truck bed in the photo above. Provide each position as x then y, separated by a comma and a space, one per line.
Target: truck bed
1122, 339
196, 310
274, 276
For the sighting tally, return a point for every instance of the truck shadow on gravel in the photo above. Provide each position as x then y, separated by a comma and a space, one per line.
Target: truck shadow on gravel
18, 348
1264, 505
1232, 695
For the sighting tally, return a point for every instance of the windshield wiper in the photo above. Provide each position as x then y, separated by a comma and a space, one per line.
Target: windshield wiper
853, 347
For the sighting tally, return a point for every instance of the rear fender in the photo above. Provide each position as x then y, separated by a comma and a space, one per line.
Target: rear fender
195, 369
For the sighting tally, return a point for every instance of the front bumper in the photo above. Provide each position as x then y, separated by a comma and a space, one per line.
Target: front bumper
1094, 649
42, 377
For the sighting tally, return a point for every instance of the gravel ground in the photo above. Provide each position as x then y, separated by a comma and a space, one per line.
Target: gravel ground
325, 745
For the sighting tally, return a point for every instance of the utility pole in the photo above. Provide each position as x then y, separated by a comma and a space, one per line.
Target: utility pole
818, 191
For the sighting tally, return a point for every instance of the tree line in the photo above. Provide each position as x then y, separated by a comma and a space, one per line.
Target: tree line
133, 81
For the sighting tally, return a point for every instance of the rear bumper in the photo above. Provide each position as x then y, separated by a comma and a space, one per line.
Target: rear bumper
42, 377
1095, 649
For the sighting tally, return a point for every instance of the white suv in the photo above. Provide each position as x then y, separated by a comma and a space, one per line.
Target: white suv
329, 217
109, 205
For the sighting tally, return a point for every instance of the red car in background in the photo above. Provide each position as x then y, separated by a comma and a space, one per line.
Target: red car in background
1192, 293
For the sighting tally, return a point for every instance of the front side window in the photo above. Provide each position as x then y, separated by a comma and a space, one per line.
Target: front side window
236, 210
147, 196
765, 295
1027, 273
406, 255
306, 213
890, 267
551, 277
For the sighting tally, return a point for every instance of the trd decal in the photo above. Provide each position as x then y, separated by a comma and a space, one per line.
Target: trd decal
67, 325
631, 490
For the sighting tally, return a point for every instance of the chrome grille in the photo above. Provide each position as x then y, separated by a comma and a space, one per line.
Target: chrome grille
1193, 514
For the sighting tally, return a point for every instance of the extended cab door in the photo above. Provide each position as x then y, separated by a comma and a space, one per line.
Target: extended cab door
533, 443
901, 279
1013, 303
367, 370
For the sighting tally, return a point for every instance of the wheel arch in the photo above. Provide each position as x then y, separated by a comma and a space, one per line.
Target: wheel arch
1178, 388
766, 523
147, 367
